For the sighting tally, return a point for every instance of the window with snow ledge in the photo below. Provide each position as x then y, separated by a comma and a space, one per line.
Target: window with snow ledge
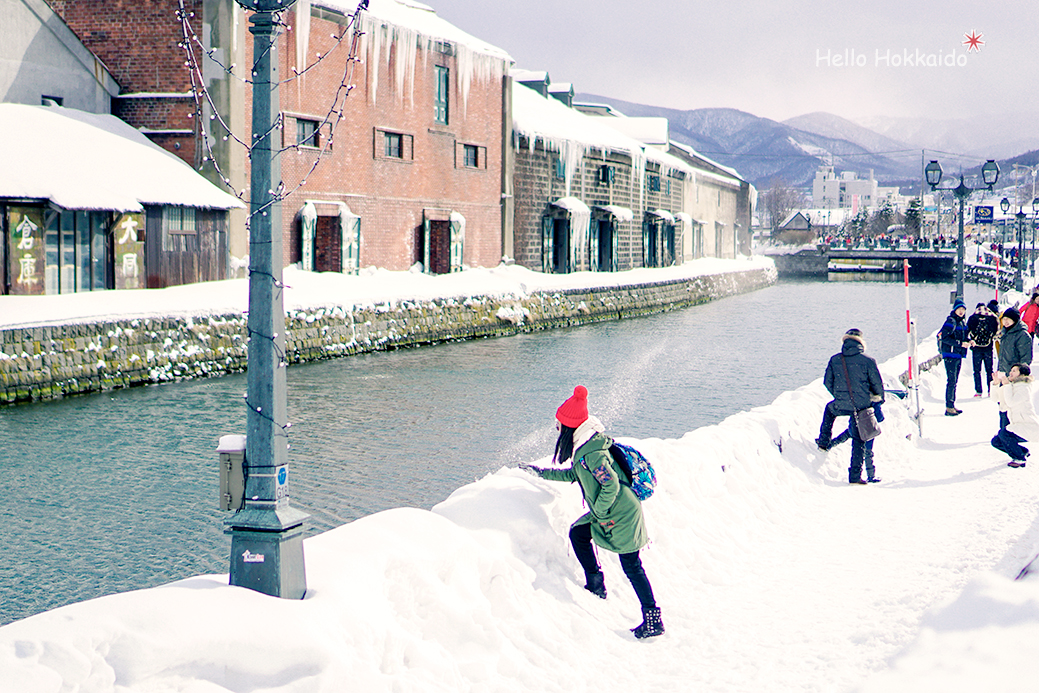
470, 156
440, 100
394, 145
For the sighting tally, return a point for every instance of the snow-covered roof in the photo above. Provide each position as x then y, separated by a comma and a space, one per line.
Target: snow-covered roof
560, 128
823, 217
572, 204
82, 160
423, 21
599, 109
692, 152
621, 213
419, 19
650, 130
520, 75
793, 215
411, 26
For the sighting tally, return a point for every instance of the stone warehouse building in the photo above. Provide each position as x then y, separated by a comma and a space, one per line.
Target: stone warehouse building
718, 203
588, 197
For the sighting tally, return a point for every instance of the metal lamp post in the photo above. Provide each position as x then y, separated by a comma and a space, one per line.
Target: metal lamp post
1035, 217
1020, 217
266, 534
1004, 204
989, 174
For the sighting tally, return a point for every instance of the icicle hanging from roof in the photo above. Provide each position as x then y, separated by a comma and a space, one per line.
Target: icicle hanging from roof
302, 29
383, 40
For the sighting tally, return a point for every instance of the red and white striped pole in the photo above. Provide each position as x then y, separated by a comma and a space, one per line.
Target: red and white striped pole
911, 350
997, 278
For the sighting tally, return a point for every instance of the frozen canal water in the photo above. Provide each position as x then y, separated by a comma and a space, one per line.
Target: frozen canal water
110, 492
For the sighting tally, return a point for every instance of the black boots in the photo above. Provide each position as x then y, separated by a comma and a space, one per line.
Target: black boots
596, 584
651, 624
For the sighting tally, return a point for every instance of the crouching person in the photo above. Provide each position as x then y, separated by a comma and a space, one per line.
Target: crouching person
1013, 393
614, 520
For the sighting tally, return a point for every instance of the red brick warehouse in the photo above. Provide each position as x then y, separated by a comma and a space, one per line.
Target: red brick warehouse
415, 164
413, 172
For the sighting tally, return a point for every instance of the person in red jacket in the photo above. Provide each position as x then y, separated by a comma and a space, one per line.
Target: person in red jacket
1030, 314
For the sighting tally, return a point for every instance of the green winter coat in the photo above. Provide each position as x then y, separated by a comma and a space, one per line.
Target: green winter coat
615, 514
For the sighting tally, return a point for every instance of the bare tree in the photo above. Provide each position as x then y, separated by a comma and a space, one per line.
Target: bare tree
780, 200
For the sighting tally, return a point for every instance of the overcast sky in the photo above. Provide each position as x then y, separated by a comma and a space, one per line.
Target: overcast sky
775, 58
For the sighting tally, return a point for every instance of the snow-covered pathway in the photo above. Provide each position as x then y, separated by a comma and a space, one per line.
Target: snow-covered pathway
772, 572
830, 592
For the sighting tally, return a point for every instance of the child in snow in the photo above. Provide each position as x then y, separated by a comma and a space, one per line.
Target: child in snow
614, 520
1013, 392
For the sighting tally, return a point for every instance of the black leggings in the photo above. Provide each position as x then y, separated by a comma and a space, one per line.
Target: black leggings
581, 539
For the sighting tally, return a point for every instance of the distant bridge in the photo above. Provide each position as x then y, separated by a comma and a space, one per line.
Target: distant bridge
923, 264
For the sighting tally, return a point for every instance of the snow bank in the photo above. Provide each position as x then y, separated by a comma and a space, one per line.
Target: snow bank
985, 640
772, 572
479, 594
312, 290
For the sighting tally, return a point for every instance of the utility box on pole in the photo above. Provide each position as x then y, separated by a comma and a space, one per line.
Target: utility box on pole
232, 472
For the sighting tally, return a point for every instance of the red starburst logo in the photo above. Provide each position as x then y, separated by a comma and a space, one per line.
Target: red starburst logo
973, 41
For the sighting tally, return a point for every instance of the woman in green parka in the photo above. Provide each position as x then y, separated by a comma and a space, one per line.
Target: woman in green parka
614, 518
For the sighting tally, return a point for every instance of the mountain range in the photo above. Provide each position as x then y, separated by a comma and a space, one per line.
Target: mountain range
765, 150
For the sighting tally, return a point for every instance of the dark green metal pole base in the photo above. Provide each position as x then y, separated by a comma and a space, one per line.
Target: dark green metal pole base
269, 562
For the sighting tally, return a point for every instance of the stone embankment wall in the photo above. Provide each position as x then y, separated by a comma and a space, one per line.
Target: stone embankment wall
54, 361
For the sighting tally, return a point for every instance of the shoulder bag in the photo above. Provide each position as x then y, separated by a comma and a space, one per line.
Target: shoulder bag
865, 419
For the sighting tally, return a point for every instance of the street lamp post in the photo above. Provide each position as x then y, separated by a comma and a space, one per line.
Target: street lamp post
1020, 217
989, 174
267, 533
1035, 217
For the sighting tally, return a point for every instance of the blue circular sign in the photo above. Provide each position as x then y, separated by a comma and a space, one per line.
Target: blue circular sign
283, 476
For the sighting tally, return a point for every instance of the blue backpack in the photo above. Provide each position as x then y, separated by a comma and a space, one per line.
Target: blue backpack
636, 468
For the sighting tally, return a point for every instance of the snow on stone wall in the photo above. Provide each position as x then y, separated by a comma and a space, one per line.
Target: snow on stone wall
50, 362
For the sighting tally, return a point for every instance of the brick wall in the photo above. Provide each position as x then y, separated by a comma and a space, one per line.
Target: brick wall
137, 41
390, 194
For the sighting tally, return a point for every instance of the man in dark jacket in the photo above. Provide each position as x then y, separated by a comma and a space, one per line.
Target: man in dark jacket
854, 381
981, 330
952, 344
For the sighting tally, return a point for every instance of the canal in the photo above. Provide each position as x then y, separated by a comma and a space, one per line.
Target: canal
116, 491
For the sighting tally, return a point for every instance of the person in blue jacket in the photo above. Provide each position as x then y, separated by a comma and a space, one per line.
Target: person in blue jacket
952, 345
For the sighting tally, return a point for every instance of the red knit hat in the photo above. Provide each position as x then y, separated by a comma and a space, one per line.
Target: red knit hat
574, 411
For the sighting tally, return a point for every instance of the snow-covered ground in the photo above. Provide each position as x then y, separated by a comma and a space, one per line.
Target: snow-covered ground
773, 574
307, 290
